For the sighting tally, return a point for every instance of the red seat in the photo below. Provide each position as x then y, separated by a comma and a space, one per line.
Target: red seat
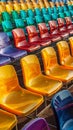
62, 27
44, 33
34, 37
20, 41
69, 24
55, 30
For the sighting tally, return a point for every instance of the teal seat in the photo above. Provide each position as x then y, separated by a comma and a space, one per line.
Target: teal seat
61, 15
30, 21
49, 10
60, 9
23, 14
19, 23
39, 19
54, 16
70, 7
47, 17
67, 14
37, 11
30, 13
65, 8
71, 12
15, 15
7, 27
44, 11
6, 16
54, 9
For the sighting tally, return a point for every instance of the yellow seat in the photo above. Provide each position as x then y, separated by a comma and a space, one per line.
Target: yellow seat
7, 120
16, 6
23, 5
35, 5
2, 8
71, 44
30, 5
41, 4
34, 80
52, 68
13, 98
46, 3
64, 55
51, 4
9, 7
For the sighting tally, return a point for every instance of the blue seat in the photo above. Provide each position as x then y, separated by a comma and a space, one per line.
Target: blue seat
4, 60
62, 104
7, 49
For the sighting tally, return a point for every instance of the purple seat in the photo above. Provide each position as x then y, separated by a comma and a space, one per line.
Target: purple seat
7, 49
37, 124
4, 60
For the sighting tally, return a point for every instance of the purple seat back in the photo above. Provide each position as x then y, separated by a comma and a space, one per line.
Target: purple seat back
37, 124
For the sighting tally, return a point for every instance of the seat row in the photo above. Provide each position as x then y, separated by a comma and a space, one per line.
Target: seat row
62, 104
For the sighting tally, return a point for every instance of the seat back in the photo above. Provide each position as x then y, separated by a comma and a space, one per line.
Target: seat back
43, 30
19, 23
8, 80
52, 25
4, 40
60, 22
37, 124
30, 68
7, 26
30, 13
49, 58
47, 17
6, 16
63, 51
37, 11
19, 37
23, 14
17, 6
39, 19
15, 15
32, 33
71, 44
68, 21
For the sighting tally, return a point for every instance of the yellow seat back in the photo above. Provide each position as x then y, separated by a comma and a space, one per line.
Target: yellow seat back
71, 44
63, 50
49, 58
9, 7
8, 80
23, 6
30, 68
17, 6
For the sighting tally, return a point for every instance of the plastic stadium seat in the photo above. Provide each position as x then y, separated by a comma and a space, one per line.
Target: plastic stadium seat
39, 19
44, 33
55, 10
49, 10
19, 23
54, 30
44, 11
54, 16
30, 13
7, 49
4, 60
69, 24
16, 6
30, 21
37, 124
64, 54
69, 7
9, 7
6, 16
23, 5
23, 14
52, 68
7, 120
21, 43
33, 77
67, 14
64, 8
15, 15
61, 15
7, 27
14, 98
71, 44
2, 8
62, 28
37, 11
30, 5
60, 9
62, 104
34, 37
47, 17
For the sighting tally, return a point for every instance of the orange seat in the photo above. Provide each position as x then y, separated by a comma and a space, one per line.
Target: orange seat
34, 80
64, 55
13, 98
52, 68
71, 44
7, 120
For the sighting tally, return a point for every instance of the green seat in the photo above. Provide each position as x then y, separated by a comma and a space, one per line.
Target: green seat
30, 13
61, 15
15, 15
37, 11
30, 21
44, 11
23, 14
47, 17
49, 10
6, 16
7, 27
39, 19
54, 16
67, 14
